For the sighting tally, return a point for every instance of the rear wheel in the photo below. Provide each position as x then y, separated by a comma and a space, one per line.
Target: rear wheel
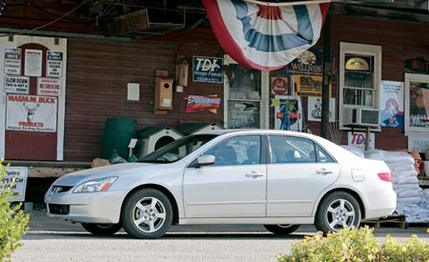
147, 213
338, 210
101, 229
281, 229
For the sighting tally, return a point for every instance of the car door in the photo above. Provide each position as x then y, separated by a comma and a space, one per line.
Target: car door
298, 171
234, 186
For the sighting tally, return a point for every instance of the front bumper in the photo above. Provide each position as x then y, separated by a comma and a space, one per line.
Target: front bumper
102, 207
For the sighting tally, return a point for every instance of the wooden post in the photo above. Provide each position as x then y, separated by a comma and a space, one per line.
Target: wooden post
367, 134
324, 127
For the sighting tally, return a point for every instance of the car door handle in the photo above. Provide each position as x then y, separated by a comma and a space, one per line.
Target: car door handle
324, 172
254, 174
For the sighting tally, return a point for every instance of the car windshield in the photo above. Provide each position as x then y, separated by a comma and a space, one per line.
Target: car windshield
177, 149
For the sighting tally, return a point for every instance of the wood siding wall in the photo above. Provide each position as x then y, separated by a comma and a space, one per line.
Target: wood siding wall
98, 73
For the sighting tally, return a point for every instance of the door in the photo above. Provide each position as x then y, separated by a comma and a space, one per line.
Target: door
298, 172
234, 186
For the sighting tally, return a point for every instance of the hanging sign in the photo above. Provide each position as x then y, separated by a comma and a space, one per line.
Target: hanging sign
279, 86
392, 104
207, 69
48, 86
31, 113
196, 103
309, 62
12, 61
288, 113
20, 174
54, 63
33, 62
358, 139
315, 109
17, 84
262, 36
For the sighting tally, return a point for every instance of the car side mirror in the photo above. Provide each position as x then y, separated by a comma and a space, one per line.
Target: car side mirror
206, 160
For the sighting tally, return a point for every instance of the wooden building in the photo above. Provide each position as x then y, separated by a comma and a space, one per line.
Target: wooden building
107, 46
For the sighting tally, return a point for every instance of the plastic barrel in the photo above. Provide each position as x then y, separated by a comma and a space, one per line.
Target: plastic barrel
117, 134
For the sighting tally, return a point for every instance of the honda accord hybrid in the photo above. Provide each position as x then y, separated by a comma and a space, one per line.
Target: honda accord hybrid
279, 179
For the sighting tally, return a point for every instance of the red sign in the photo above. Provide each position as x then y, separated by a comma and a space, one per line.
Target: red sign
279, 86
196, 103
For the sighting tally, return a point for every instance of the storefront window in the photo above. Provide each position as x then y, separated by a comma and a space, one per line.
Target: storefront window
417, 103
243, 95
360, 78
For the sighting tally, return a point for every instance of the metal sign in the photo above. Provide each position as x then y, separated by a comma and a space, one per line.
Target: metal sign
207, 69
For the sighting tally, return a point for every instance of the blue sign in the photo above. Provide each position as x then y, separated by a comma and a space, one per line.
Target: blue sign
207, 69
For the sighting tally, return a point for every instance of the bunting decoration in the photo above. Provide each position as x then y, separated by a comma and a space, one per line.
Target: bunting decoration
266, 36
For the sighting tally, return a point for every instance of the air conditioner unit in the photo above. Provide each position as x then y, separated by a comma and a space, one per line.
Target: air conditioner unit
364, 117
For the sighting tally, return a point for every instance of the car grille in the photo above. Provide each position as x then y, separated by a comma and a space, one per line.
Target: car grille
59, 209
60, 189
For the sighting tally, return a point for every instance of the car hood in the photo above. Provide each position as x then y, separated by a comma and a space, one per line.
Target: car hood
119, 170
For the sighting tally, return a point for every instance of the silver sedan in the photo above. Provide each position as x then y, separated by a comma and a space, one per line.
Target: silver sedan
279, 179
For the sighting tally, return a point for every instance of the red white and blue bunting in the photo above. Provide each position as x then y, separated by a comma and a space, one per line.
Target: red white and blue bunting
266, 36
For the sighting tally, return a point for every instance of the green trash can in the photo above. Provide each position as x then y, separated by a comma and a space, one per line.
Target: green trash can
117, 134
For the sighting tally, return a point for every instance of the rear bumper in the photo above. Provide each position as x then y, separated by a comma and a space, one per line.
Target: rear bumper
380, 203
103, 207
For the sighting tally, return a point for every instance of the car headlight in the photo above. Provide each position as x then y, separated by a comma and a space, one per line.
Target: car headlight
97, 185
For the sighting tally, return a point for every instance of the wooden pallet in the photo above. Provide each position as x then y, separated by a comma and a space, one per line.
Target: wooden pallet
390, 221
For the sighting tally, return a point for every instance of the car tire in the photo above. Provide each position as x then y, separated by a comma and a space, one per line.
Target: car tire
336, 211
147, 214
282, 229
102, 229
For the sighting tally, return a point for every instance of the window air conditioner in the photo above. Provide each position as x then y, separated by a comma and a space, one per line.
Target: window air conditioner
361, 117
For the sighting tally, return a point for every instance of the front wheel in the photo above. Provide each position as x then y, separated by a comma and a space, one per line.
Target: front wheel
101, 229
147, 213
338, 210
281, 229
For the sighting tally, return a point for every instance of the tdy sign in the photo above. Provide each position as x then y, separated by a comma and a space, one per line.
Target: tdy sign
207, 69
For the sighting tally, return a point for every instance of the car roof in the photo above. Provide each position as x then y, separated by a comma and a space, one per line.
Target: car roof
258, 131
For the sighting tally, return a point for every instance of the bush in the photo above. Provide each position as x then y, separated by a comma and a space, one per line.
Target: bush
13, 221
356, 245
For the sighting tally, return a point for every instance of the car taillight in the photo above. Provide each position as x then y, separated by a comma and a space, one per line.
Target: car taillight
385, 176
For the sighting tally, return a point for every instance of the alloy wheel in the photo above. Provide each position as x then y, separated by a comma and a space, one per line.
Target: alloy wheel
340, 214
149, 214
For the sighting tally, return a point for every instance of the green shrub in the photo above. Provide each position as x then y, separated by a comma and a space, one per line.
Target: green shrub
352, 244
13, 221
347, 245
412, 250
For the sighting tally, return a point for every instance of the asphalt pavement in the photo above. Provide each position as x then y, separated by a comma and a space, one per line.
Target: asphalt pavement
57, 240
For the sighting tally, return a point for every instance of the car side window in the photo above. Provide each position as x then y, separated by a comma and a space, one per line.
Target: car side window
322, 156
289, 149
243, 150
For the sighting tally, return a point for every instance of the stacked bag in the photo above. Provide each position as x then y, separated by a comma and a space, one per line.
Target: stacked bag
413, 201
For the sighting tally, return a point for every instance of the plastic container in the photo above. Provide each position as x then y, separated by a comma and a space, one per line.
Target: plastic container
117, 134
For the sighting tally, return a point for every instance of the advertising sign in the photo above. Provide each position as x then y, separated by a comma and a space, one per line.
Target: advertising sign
309, 62
392, 104
12, 61
196, 103
54, 64
418, 142
307, 85
48, 86
358, 139
17, 84
31, 113
33, 62
279, 86
315, 109
20, 174
207, 69
288, 113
